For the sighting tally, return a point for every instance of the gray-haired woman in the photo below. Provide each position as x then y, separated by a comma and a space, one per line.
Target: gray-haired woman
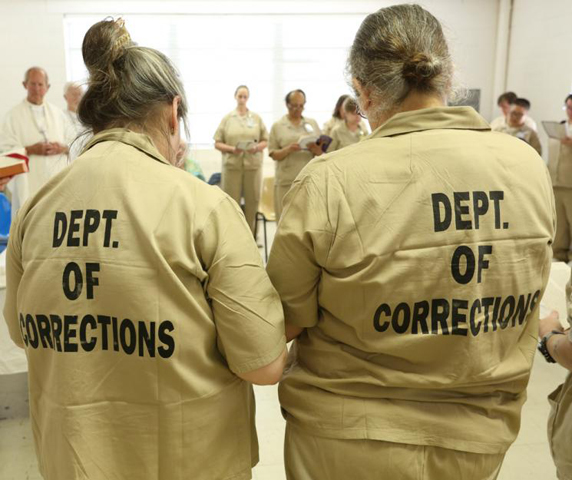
139, 294
407, 265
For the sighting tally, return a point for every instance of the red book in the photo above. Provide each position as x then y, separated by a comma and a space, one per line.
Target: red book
13, 164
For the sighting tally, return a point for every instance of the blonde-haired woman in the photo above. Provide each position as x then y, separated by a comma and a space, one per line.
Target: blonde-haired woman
242, 137
350, 131
408, 267
139, 294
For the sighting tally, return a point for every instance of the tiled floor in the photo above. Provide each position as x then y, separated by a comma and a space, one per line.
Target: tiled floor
528, 459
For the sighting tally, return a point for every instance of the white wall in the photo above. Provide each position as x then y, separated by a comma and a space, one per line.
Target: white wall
540, 66
32, 33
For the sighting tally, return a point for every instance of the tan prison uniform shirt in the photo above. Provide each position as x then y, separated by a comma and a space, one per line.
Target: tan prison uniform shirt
525, 133
501, 121
416, 260
235, 128
342, 137
284, 133
331, 124
137, 291
560, 420
560, 164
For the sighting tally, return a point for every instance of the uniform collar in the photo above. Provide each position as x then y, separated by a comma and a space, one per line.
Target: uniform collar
286, 121
140, 141
235, 113
457, 118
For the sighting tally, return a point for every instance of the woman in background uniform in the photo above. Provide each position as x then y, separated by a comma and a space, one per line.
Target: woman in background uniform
284, 148
350, 131
337, 116
241, 137
139, 294
410, 267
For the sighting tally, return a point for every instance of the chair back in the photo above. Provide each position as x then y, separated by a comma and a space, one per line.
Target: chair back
267, 199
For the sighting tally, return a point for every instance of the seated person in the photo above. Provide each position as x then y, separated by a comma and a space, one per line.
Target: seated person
517, 126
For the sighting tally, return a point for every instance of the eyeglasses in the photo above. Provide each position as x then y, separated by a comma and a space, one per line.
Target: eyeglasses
296, 106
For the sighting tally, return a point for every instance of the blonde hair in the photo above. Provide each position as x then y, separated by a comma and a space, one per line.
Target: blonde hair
398, 50
128, 84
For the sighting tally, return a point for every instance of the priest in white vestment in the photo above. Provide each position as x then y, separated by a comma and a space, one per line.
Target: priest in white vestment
42, 130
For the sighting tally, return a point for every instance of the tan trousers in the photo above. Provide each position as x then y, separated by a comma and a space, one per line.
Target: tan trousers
244, 183
563, 238
560, 428
315, 458
280, 192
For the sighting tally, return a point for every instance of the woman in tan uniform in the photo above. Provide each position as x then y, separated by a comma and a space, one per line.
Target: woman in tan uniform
284, 147
350, 130
139, 294
241, 137
408, 267
337, 116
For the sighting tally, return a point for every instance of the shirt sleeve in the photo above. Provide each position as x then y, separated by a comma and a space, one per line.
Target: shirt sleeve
335, 145
297, 256
219, 134
8, 137
273, 143
263, 131
535, 142
14, 272
246, 308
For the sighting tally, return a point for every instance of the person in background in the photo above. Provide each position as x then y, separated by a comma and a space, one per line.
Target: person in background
72, 95
42, 130
242, 137
415, 320
504, 102
349, 131
517, 126
139, 294
188, 163
284, 148
337, 116
560, 168
3, 182
556, 347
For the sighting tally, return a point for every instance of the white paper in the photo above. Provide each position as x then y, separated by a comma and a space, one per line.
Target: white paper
555, 294
305, 141
555, 130
246, 145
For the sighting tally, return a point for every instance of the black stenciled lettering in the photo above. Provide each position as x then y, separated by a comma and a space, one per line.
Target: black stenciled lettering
75, 215
463, 252
495, 314
109, 216
458, 317
483, 250
460, 210
475, 327
32, 339
45, 331
128, 341
441, 224
439, 313
115, 329
104, 321
486, 303
504, 319
146, 339
496, 197
57, 327
70, 333
90, 280
385, 310
87, 320
521, 309
404, 326
168, 341
535, 298
60, 228
480, 206
23, 330
420, 314
92, 220
74, 294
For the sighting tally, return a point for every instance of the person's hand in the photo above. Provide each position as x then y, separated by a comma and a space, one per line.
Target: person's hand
237, 151
566, 141
315, 148
3, 182
294, 147
253, 150
55, 148
549, 323
39, 148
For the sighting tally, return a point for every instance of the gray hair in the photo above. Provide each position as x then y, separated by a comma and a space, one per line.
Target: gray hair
69, 85
398, 50
36, 69
127, 83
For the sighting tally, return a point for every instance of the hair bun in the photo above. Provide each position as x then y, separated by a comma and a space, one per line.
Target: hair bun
420, 69
105, 43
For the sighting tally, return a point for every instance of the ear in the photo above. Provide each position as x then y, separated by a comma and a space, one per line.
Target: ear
363, 94
174, 115
24, 85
